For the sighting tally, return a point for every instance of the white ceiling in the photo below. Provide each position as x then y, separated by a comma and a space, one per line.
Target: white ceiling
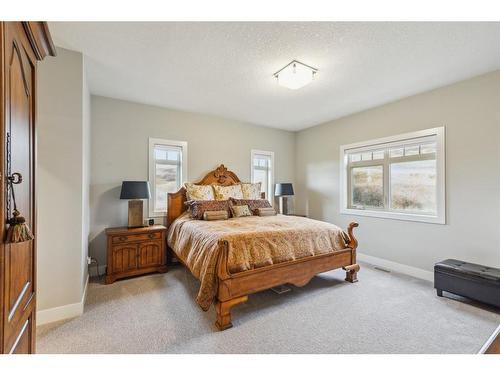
226, 69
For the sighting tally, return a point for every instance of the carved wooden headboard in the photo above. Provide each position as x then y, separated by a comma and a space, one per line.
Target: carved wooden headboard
175, 201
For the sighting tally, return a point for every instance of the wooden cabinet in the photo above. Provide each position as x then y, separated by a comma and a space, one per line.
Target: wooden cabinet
135, 251
21, 44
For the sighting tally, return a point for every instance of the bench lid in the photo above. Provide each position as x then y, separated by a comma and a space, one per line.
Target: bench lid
464, 268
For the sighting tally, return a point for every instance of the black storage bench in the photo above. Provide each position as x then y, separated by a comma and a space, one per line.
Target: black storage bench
470, 280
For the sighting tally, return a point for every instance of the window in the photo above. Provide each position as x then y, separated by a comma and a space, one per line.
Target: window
167, 172
262, 170
399, 177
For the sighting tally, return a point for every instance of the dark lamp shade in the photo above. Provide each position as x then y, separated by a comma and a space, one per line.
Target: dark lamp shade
283, 189
135, 190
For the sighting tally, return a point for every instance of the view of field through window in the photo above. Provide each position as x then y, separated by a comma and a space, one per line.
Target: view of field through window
368, 186
411, 176
413, 186
167, 175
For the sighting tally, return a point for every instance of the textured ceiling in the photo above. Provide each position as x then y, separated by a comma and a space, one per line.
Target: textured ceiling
226, 69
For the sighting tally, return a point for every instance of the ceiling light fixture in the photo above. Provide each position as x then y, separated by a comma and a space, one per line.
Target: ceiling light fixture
295, 75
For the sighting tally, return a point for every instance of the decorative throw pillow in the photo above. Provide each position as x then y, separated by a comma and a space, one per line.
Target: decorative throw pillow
240, 211
215, 215
198, 192
197, 208
223, 193
253, 204
265, 212
251, 191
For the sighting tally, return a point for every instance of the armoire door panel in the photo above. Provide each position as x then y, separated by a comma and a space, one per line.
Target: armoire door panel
19, 126
19, 257
19, 267
20, 46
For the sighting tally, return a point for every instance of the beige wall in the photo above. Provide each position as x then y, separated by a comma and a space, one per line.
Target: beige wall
470, 112
61, 183
119, 144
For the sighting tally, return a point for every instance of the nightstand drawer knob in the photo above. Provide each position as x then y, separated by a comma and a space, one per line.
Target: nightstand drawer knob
123, 238
151, 235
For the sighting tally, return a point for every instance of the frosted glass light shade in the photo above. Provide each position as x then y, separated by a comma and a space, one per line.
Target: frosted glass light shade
295, 75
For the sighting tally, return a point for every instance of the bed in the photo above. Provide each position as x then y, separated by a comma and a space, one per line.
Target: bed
240, 256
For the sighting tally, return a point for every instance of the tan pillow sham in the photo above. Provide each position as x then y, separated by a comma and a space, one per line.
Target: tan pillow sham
223, 193
251, 191
199, 192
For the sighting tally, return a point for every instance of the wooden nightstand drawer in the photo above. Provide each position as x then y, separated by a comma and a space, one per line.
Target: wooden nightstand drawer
137, 237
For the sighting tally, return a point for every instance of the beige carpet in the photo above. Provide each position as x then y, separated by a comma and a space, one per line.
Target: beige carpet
382, 313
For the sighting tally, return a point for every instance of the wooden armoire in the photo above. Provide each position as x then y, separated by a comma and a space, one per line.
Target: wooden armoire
22, 45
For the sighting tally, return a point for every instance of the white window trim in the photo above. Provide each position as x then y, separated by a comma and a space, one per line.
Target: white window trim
184, 163
439, 218
271, 180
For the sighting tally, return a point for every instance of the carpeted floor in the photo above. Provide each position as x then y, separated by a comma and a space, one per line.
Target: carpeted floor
382, 313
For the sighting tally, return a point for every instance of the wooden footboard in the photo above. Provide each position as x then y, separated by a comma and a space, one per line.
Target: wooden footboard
234, 288
298, 273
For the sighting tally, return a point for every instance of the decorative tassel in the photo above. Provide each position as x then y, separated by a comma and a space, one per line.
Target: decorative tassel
18, 230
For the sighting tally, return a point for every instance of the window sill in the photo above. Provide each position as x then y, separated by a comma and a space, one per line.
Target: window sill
439, 219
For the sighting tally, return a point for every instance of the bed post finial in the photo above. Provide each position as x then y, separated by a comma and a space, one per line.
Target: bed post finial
353, 243
352, 270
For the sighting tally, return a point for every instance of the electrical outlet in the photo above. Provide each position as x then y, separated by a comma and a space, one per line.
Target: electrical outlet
89, 260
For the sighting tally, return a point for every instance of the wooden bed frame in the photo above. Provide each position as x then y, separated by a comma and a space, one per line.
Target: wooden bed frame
235, 288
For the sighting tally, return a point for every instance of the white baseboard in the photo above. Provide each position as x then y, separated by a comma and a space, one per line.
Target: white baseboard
397, 267
62, 312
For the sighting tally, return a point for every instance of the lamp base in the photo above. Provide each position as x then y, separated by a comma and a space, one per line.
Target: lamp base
135, 213
283, 205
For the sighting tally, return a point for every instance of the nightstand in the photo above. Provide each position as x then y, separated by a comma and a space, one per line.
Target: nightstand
135, 251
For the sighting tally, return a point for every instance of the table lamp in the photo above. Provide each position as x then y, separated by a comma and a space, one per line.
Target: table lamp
135, 191
283, 191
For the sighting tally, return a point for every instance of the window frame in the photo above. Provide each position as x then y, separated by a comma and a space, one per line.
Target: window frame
152, 172
270, 178
392, 141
